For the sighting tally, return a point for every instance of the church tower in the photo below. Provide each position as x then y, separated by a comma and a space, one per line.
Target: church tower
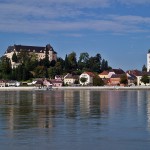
148, 61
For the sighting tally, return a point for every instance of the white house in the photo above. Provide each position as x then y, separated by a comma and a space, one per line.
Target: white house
139, 80
89, 78
138, 74
69, 79
115, 72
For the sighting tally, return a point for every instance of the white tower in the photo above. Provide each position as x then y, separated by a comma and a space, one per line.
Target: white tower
148, 61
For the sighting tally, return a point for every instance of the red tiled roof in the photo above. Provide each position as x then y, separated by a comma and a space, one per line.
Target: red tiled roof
117, 71
135, 72
104, 73
90, 74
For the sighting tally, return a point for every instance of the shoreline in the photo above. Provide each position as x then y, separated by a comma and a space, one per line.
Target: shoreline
33, 88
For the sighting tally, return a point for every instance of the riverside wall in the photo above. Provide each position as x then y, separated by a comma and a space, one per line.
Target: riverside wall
30, 88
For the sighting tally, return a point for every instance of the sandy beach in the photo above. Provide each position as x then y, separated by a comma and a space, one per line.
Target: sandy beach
32, 88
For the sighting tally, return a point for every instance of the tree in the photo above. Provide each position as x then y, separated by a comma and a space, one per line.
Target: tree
40, 72
52, 63
14, 58
66, 64
58, 68
83, 59
104, 65
51, 72
5, 68
76, 81
83, 80
145, 79
23, 56
19, 72
46, 61
72, 61
124, 79
144, 68
94, 64
97, 81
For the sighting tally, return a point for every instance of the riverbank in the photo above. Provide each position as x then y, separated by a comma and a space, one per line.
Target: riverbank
32, 88
105, 88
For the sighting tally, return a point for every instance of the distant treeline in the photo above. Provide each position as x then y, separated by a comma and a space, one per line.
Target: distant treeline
30, 67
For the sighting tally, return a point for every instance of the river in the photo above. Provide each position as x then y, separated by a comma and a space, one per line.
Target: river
75, 120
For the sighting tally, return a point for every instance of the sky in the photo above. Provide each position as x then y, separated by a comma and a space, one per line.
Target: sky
119, 30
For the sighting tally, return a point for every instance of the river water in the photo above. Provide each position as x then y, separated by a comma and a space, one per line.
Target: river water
75, 120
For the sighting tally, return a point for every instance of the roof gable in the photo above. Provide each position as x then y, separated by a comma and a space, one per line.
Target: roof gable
117, 71
116, 76
37, 49
104, 73
91, 74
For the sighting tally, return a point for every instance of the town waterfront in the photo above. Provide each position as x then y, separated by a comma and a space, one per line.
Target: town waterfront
75, 119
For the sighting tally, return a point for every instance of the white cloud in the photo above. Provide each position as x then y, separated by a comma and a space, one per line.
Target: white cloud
130, 19
116, 24
51, 15
134, 1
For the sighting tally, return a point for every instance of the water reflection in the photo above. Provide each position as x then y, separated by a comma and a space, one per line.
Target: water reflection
51, 115
37, 109
147, 97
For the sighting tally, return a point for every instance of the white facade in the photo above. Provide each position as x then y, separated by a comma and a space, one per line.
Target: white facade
39, 52
89, 79
139, 81
69, 79
148, 62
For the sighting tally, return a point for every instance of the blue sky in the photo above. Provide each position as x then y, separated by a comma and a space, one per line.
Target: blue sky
117, 29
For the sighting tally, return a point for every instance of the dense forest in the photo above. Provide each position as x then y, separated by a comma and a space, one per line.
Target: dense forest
30, 67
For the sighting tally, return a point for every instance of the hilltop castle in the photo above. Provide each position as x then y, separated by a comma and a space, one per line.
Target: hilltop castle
39, 51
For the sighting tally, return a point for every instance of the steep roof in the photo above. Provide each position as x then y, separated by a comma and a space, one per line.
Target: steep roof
70, 76
37, 49
135, 72
116, 76
104, 73
117, 71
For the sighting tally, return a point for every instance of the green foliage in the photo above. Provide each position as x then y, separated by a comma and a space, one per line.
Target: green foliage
5, 68
145, 79
144, 68
83, 61
52, 72
14, 58
30, 66
23, 56
40, 72
72, 61
94, 63
124, 79
83, 80
97, 81
66, 64
76, 82
104, 65
52, 63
